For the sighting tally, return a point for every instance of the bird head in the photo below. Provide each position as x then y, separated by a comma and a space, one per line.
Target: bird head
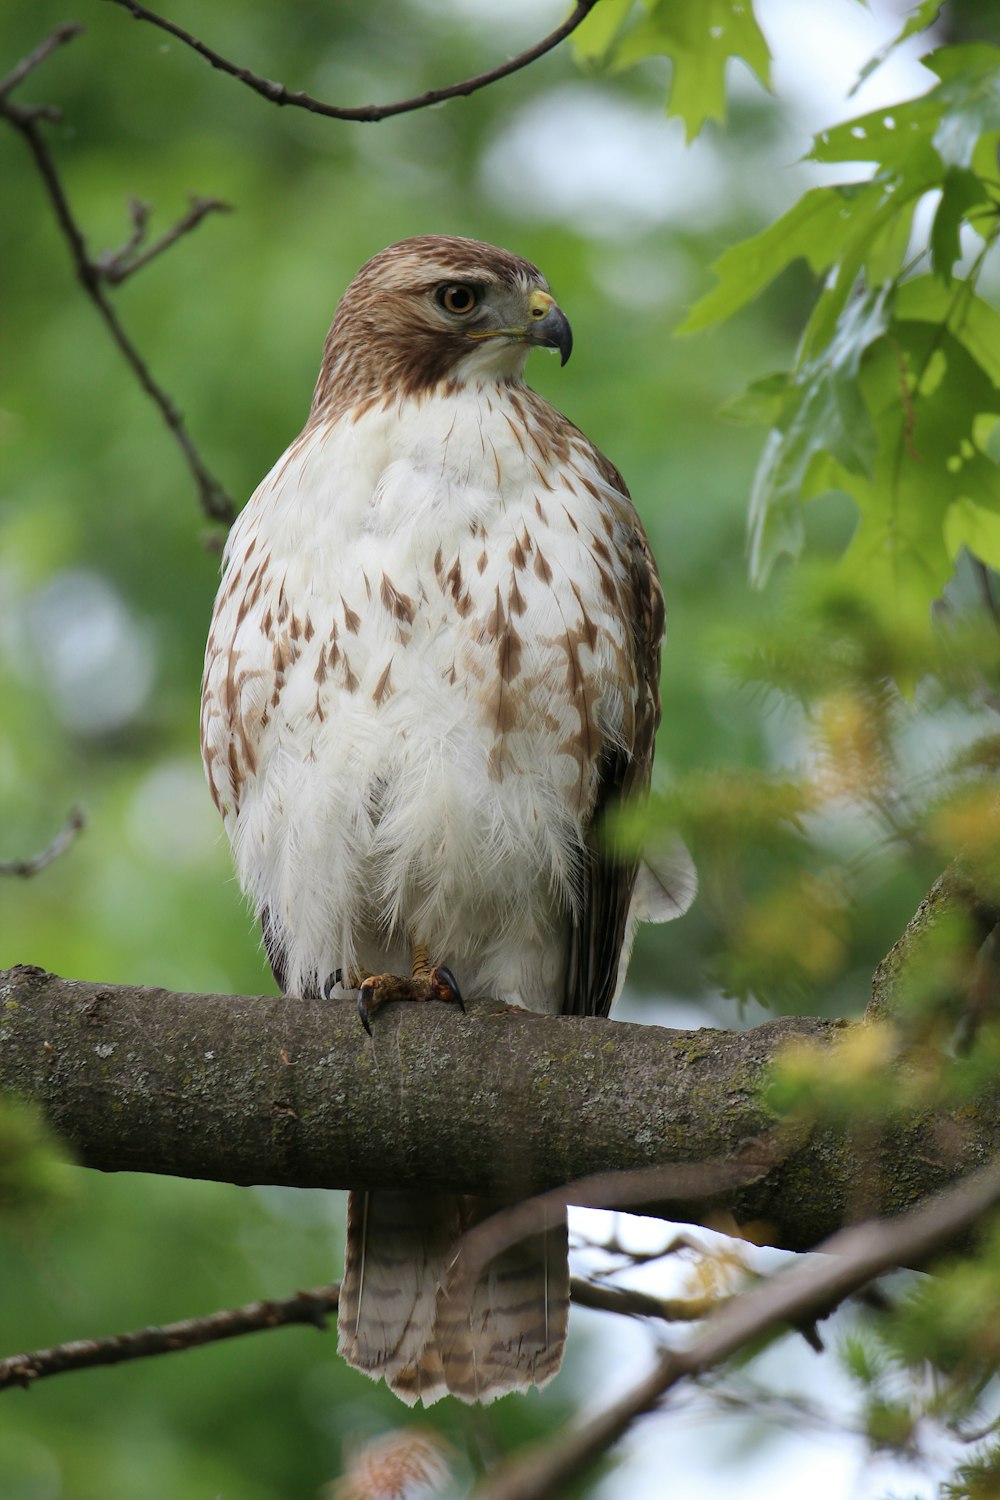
436, 311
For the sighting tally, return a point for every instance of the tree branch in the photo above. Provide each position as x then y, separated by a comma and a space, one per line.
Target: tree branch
277, 93
26, 119
117, 265
35, 863
713, 1178
304, 1307
249, 1089
310, 1307
807, 1290
56, 39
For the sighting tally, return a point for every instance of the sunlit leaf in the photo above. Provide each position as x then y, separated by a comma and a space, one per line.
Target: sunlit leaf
970, 319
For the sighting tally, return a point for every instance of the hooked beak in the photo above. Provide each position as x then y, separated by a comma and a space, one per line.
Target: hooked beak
549, 326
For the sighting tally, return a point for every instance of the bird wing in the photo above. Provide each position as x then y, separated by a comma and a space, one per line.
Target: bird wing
599, 926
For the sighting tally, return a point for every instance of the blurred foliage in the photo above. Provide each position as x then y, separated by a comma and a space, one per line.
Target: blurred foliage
825, 748
926, 1363
33, 1164
896, 384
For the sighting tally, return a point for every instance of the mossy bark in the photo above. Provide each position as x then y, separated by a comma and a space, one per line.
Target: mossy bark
251, 1089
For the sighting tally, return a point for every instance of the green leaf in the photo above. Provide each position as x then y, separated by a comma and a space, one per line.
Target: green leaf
594, 37
962, 192
925, 15
699, 36
893, 137
967, 524
32, 1162
925, 392
887, 246
876, 210
973, 322
762, 401
825, 414
969, 94
816, 229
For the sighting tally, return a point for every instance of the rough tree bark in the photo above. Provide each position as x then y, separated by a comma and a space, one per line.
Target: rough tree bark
252, 1089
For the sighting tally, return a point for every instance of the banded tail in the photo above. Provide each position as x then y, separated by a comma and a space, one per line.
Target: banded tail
394, 1325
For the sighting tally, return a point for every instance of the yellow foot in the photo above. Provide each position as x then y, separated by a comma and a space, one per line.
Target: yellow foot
431, 984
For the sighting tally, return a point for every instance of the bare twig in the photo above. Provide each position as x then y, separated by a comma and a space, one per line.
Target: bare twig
304, 1307
809, 1289
629, 1303
37, 862
62, 34
26, 119
310, 1307
277, 93
691, 1181
117, 265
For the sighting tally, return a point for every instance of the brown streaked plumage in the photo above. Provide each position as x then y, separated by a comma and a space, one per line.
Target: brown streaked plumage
433, 670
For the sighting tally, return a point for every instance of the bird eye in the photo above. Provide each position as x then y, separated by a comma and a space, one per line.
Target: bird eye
458, 298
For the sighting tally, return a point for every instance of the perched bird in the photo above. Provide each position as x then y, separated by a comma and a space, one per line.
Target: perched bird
433, 667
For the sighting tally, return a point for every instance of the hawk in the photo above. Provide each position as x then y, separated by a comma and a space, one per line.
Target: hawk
433, 668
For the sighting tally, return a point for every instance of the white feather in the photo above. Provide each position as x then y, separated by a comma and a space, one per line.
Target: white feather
363, 823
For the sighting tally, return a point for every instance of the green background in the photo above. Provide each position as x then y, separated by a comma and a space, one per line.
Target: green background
107, 584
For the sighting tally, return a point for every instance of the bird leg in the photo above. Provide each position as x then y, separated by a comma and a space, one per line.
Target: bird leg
426, 981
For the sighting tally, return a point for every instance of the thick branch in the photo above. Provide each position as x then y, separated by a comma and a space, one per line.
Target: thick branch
248, 1089
277, 93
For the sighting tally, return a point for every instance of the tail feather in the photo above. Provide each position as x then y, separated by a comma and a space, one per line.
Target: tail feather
396, 1243
512, 1335
397, 1322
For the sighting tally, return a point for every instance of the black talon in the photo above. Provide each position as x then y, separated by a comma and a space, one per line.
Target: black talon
446, 987
332, 980
363, 999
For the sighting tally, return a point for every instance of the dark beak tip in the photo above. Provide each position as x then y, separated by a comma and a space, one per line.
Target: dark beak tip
560, 334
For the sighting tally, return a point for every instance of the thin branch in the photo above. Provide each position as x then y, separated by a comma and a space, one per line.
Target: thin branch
629, 1303
26, 119
304, 1307
277, 93
37, 862
62, 34
117, 265
310, 1307
110, 261
712, 1178
811, 1288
